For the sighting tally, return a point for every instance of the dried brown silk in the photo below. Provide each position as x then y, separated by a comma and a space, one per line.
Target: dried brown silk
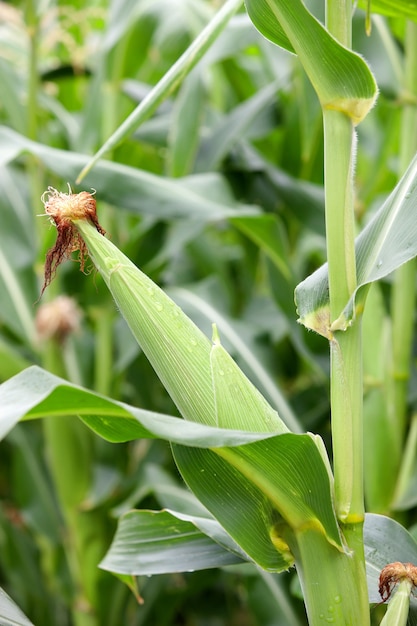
63, 209
394, 573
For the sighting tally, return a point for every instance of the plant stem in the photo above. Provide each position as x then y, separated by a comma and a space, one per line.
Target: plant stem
70, 461
403, 293
339, 20
340, 232
103, 351
345, 345
329, 579
346, 403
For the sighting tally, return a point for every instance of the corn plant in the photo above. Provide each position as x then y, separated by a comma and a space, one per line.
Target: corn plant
265, 493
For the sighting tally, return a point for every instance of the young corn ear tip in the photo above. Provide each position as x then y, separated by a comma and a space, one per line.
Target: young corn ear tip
63, 210
394, 573
70, 206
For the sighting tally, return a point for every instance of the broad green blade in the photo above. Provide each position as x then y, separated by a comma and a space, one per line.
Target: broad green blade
239, 506
388, 241
267, 24
18, 253
341, 78
10, 614
256, 491
395, 8
35, 393
211, 528
16, 307
134, 189
291, 472
151, 542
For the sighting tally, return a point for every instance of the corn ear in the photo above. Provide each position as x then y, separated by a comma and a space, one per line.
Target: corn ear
178, 351
399, 605
236, 396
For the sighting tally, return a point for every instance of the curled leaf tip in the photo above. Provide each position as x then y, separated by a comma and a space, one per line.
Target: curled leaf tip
64, 209
215, 338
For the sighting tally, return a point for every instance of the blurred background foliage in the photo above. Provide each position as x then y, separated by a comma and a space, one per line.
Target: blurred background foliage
242, 131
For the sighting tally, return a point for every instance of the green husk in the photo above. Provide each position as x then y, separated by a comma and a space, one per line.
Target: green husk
181, 355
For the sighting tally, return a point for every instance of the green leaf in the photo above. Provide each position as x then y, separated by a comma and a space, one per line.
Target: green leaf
234, 126
17, 256
256, 491
11, 360
341, 78
267, 24
10, 614
133, 189
266, 231
32, 487
388, 241
395, 8
15, 285
240, 507
35, 393
184, 133
300, 197
12, 101
169, 81
291, 471
151, 542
